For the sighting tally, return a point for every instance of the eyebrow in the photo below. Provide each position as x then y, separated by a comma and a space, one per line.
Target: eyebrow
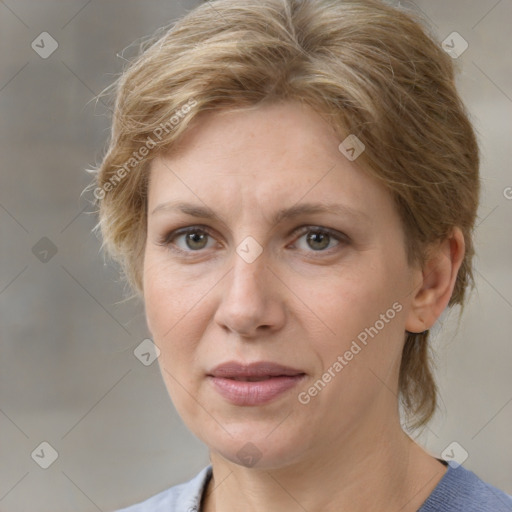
195, 210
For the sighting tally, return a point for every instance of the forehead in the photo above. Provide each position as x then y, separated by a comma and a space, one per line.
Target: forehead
255, 158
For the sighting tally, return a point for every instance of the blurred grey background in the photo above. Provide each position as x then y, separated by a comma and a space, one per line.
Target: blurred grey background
68, 373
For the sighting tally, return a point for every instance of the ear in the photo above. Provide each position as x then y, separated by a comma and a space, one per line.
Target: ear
438, 277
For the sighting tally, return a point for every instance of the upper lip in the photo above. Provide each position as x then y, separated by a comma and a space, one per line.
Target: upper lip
233, 369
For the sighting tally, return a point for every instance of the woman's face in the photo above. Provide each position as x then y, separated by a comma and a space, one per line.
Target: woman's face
294, 256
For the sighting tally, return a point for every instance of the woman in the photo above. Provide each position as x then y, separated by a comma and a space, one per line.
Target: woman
291, 187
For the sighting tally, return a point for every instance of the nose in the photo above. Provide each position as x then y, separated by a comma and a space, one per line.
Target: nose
251, 303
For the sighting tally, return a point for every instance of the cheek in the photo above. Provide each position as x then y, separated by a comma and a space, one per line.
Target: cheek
168, 295
178, 308
169, 316
361, 359
354, 298
364, 311
166, 307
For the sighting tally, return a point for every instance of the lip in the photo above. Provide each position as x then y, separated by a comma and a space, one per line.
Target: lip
230, 381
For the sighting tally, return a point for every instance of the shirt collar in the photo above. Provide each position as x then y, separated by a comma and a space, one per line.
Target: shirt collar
190, 498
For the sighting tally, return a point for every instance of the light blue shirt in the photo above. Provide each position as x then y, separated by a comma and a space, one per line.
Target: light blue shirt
460, 490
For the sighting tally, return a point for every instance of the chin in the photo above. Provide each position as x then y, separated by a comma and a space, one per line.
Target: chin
255, 447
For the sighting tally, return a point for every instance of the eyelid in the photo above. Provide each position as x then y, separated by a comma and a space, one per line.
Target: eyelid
168, 236
329, 231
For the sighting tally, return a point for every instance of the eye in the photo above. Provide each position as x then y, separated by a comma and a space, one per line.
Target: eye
318, 239
191, 239
194, 239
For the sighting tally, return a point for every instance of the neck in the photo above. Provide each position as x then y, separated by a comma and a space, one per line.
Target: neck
372, 469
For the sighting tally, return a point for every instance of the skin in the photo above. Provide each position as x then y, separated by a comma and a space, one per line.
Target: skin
301, 303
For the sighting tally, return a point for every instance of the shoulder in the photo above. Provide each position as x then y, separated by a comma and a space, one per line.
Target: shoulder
184, 497
460, 490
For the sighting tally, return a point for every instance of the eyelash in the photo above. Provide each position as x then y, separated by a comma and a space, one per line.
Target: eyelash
167, 239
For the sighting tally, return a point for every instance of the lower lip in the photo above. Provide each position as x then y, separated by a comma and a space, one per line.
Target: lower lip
240, 392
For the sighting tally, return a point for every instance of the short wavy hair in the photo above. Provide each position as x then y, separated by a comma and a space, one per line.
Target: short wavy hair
368, 68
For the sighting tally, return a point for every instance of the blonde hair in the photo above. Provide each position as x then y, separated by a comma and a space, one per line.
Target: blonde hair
370, 69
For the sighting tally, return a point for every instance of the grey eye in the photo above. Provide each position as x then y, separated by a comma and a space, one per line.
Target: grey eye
318, 241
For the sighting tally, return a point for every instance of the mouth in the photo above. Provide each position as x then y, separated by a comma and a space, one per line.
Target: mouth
259, 370
255, 383
253, 379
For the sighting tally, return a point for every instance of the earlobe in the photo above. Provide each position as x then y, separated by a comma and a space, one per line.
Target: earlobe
438, 278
